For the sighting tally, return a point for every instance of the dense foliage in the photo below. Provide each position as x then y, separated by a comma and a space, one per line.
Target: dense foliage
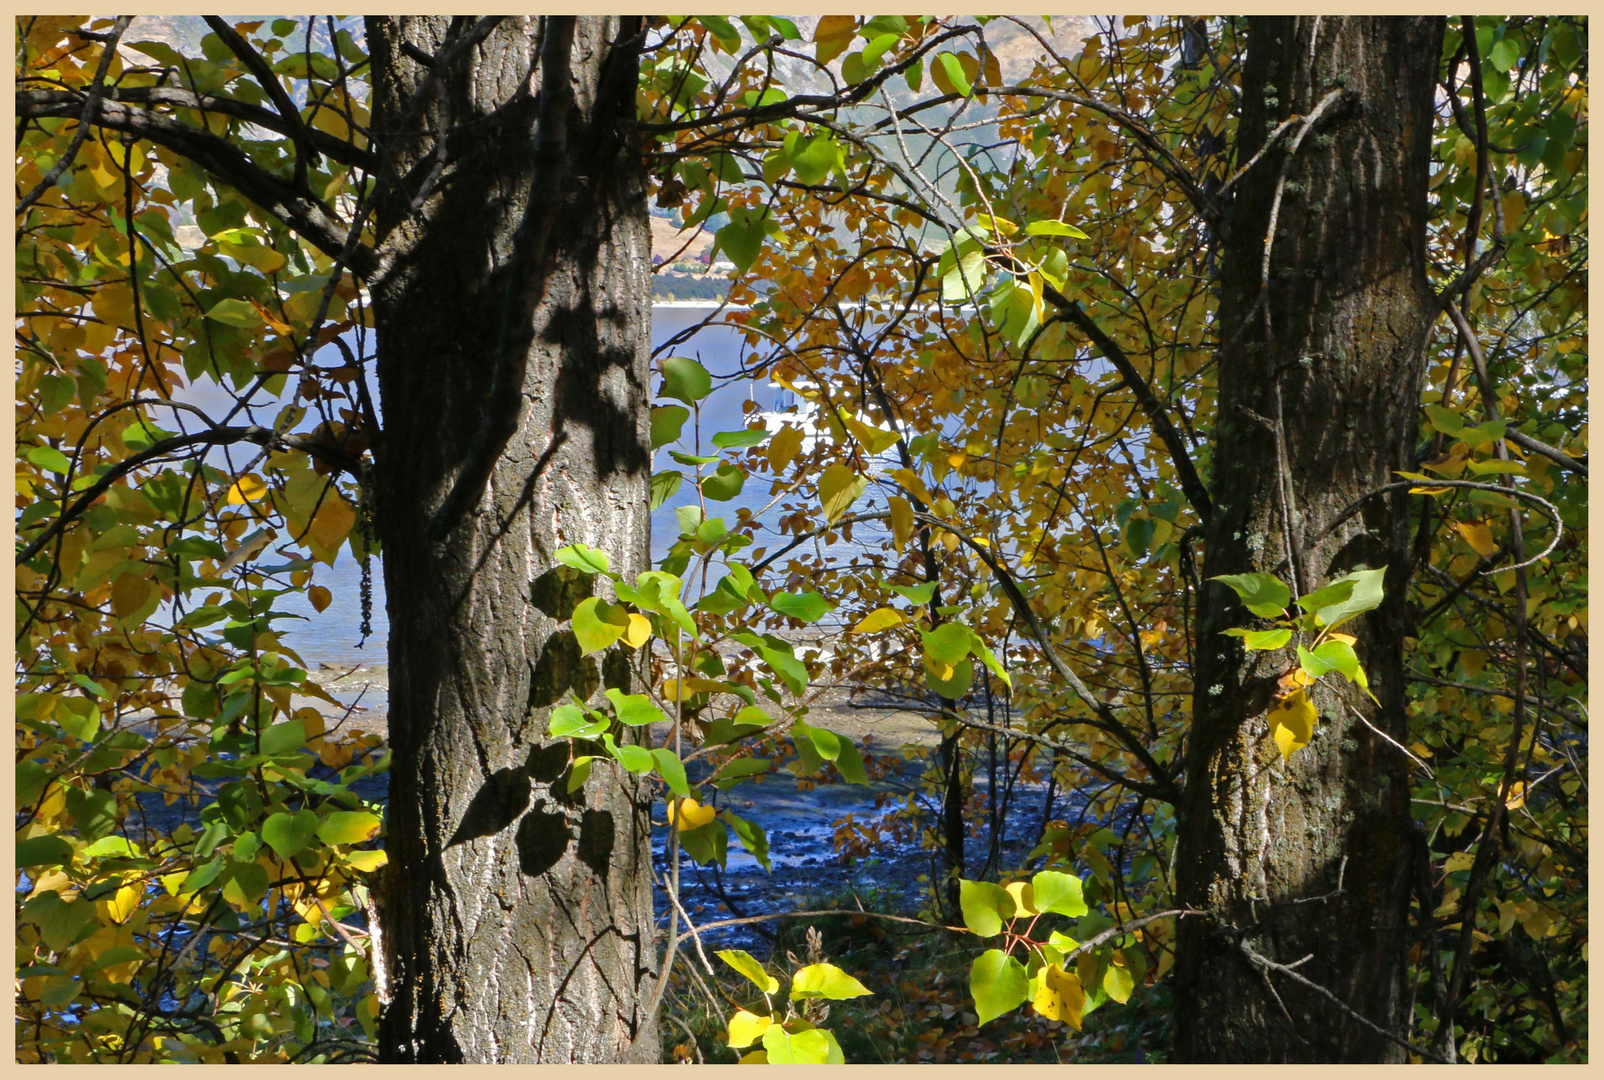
988, 280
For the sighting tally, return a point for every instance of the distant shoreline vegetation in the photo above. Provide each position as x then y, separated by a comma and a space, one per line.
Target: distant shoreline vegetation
671, 286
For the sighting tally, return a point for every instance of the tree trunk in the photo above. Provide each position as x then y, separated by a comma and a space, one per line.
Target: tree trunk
1337, 353
516, 919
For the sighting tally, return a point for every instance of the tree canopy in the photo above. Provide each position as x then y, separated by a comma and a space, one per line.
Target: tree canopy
985, 257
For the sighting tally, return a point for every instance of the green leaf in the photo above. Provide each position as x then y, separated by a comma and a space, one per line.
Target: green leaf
881, 25
238, 313
49, 458
283, 739
667, 423
779, 656
1445, 420
46, 850
289, 834
986, 906
813, 158
850, 763
744, 963
1054, 228
960, 82
1262, 594
725, 484
954, 685
1260, 639
574, 722
751, 836
825, 981
664, 484
672, 770
31, 777
93, 811
635, 710
1339, 656
1503, 56
735, 440
1139, 535
706, 845
919, 594
808, 606
583, 558
807, 1046
965, 279
597, 624
348, 827
635, 759
579, 772
1311, 664
685, 380
1350, 595
1118, 983
1058, 893
79, 718
949, 643
742, 239
998, 983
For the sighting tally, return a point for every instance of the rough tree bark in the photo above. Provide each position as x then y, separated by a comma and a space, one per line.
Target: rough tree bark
521, 929
1336, 353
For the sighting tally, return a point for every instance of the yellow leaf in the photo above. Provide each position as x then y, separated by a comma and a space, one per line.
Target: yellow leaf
365, 861
119, 906
877, 620
247, 490
1024, 897
320, 597
756, 1057
784, 447
1537, 921
332, 523
1479, 537
1118, 982
1292, 722
639, 630
839, 487
1059, 995
1517, 795
913, 485
128, 594
747, 1028
901, 521
690, 814
671, 687
876, 440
